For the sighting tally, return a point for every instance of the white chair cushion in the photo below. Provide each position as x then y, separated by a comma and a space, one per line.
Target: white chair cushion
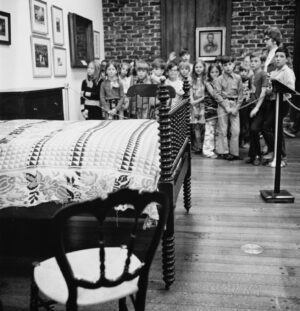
86, 265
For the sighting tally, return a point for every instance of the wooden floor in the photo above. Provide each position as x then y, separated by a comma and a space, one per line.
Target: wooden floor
213, 272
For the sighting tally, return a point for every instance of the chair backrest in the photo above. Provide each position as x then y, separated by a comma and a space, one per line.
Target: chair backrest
100, 209
143, 100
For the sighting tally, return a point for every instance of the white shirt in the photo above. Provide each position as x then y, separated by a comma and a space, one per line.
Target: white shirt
286, 76
270, 56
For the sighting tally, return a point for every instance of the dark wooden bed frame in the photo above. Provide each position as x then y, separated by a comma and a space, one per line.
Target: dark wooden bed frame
175, 164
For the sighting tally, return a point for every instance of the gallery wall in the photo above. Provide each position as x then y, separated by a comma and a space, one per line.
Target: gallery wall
16, 59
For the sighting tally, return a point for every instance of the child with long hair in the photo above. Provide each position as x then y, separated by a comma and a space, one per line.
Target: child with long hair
210, 110
125, 79
89, 101
197, 104
111, 91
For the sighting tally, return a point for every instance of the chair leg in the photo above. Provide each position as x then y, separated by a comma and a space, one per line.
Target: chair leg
34, 292
168, 251
122, 304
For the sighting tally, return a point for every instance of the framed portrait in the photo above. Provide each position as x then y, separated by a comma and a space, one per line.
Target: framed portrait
57, 25
210, 42
39, 16
59, 61
81, 40
5, 32
41, 58
97, 44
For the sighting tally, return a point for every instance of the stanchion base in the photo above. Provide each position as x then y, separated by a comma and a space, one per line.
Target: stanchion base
282, 197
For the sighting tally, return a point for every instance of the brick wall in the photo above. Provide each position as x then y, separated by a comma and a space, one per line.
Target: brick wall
131, 32
250, 18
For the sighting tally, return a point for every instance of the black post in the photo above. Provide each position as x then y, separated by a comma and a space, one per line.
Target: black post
277, 195
279, 119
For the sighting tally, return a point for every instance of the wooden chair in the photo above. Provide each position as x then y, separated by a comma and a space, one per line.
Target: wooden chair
98, 275
143, 100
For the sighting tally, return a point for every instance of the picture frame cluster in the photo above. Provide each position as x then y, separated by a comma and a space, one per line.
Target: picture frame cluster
40, 43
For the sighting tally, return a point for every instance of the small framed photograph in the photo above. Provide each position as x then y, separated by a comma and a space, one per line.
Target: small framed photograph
97, 44
5, 33
57, 25
41, 58
210, 42
39, 16
59, 61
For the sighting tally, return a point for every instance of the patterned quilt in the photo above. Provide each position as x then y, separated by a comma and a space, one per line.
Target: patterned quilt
66, 161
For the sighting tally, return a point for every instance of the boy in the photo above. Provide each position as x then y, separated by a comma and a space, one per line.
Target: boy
139, 107
285, 75
229, 96
244, 112
158, 69
260, 84
185, 57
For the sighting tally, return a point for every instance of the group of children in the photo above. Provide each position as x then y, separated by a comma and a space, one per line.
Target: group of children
230, 106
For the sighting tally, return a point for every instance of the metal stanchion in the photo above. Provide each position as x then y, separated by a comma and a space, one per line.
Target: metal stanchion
277, 195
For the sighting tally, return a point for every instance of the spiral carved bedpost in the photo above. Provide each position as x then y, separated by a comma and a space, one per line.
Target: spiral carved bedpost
168, 243
187, 180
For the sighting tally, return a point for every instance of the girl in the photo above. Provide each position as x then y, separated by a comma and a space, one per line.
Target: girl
197, 111
210, 109
90, 107
111, 91
125, 79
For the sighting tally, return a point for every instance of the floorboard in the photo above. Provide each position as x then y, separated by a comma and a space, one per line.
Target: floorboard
213, 273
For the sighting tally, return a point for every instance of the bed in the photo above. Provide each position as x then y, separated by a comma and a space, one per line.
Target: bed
45, 164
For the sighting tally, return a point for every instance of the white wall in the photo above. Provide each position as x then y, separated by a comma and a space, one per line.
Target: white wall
16, 59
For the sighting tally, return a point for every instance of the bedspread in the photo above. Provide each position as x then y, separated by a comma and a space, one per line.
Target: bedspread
64, 161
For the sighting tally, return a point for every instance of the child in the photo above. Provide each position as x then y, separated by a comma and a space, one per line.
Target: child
185, 71
173, 79
197, 105
260, 84
244, 112
158, 70
185, 56
90, 106
285, 75
229, 96
210, 108
139, 107
111, 92
125, 79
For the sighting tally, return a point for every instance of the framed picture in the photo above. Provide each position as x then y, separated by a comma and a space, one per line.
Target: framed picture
59, 62
41, 60
210, 42
81, 40
57, 25
39, 16
5, 33
97, 44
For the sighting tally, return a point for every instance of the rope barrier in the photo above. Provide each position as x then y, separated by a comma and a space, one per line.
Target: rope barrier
122, 117
291, 104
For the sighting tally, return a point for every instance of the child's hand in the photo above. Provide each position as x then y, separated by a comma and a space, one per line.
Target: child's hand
253, 112
85, 113
234, 111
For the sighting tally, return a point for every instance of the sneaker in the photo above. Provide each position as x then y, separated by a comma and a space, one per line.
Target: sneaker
213, 156
232, 157
249, 160
223, 156
289, 133
269, 156
256, 161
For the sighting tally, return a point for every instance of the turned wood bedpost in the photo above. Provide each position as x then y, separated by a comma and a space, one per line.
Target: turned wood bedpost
187, 180
165, 184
